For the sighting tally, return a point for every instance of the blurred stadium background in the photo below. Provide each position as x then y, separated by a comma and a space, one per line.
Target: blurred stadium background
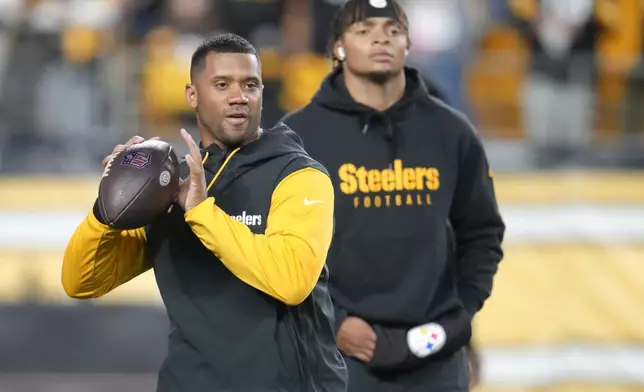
562, 125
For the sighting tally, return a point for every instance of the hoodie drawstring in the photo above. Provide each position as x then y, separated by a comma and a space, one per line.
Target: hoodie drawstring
392, 140
390, 135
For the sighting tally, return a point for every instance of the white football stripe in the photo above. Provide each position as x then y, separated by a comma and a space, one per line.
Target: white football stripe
38, 230
606, 224
600, 224
530, 367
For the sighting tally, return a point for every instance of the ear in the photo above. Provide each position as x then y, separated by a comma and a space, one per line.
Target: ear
191, 96
338, 51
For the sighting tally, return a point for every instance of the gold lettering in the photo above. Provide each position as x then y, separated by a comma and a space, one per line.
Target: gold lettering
373, 180
348, 183
394, 199
388, 180
420, 177
387, 200
409, 179
433, 181
362, 180
398, 170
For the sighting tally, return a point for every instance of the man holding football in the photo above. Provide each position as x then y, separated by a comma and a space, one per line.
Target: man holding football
248, 301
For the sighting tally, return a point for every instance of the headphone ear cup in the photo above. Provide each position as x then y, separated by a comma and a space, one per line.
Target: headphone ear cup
341, 54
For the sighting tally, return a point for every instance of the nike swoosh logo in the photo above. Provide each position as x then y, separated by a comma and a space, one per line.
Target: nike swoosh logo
308, 202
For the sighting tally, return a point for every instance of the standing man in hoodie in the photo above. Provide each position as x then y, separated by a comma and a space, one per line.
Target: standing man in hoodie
418, 232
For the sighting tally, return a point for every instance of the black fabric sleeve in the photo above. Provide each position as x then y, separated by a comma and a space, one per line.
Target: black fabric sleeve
340, 316
392, 352
477, 224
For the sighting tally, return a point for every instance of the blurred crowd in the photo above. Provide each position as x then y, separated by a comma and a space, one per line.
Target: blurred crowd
549, 83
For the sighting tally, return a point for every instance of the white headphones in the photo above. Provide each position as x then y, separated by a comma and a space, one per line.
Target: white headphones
341, 54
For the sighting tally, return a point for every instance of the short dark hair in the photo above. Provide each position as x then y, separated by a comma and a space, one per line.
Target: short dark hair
222, 43
351, 12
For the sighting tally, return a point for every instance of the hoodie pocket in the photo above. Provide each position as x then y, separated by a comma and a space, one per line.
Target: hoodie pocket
388, 278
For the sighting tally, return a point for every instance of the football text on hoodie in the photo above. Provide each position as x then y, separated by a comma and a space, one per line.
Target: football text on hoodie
417, 228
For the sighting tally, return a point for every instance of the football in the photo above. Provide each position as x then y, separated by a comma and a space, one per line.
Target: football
138, 185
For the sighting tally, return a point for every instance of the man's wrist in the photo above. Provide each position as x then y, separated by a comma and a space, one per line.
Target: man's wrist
206, 203
340, 316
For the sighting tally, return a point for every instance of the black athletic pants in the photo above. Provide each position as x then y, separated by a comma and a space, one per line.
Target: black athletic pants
448, 375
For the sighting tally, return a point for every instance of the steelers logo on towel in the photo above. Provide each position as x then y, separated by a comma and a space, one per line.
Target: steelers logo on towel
426, 339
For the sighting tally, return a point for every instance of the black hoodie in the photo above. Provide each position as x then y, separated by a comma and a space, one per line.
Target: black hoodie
404, 179
242, 274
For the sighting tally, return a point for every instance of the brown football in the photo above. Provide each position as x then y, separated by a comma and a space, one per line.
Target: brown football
139, 184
